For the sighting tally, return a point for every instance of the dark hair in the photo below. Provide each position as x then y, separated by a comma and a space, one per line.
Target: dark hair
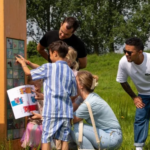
137, 42
71, 23
59, 46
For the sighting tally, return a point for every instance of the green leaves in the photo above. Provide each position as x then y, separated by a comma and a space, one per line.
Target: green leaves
31, 49
103, 23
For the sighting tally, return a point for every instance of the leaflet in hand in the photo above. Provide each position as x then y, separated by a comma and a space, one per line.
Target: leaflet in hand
23, 101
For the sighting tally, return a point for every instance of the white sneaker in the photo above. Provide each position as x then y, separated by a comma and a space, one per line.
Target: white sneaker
139, 148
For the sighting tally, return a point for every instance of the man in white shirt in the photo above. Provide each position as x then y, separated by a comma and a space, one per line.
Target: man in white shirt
136, 64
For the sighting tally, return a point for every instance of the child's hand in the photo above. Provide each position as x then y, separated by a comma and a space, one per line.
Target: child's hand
25, 60
20, 60
39, 96
29, 119
36, 116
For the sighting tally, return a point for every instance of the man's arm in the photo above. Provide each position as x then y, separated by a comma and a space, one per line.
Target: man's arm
41, 50
137, 100
82, 62
128, 89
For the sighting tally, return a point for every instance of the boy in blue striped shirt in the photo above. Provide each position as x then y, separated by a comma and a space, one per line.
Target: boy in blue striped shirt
59, 86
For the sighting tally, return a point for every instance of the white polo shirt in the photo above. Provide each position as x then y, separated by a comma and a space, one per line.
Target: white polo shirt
140, 74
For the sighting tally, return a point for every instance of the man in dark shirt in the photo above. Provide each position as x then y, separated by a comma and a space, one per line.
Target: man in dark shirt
66, 34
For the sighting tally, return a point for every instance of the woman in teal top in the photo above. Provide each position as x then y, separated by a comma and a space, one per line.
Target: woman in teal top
107, 125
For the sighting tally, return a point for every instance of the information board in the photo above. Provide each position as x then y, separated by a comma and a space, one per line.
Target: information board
15, 77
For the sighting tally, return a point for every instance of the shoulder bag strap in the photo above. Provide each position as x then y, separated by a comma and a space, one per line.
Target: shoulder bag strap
80, 131
93, 124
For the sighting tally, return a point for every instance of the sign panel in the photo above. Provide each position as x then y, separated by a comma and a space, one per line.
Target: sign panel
15, 77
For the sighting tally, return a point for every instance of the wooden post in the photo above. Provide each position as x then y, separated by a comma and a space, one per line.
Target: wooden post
12, 42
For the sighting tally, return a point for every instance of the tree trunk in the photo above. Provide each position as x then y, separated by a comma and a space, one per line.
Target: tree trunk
96, 49
111, 47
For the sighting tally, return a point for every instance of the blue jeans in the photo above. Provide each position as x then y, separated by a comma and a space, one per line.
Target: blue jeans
141, 123
110, 138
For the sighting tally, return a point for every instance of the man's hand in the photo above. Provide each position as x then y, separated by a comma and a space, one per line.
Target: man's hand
36, 116
138, 102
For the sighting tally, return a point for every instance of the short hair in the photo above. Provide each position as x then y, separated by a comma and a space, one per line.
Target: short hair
59, 46
71, 23
137, 42
86, 80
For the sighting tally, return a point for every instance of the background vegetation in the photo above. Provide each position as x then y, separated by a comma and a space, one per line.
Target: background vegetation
104, 24
105, 66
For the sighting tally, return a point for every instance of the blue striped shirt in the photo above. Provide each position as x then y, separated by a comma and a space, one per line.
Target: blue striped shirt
59, 86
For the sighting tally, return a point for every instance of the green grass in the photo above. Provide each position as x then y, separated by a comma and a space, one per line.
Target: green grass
8, 145
105, 66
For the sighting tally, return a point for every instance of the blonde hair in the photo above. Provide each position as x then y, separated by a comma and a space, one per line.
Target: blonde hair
87, 80
71, 58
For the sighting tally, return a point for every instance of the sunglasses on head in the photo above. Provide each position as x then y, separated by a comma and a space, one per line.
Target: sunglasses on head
128, 52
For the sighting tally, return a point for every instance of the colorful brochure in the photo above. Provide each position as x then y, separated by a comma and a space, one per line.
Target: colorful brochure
22, 100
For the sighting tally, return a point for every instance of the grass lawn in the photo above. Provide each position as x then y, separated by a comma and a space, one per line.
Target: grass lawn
105, 66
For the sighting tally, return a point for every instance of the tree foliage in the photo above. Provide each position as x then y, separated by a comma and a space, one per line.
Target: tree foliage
103, 24
42, 16
31, 49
